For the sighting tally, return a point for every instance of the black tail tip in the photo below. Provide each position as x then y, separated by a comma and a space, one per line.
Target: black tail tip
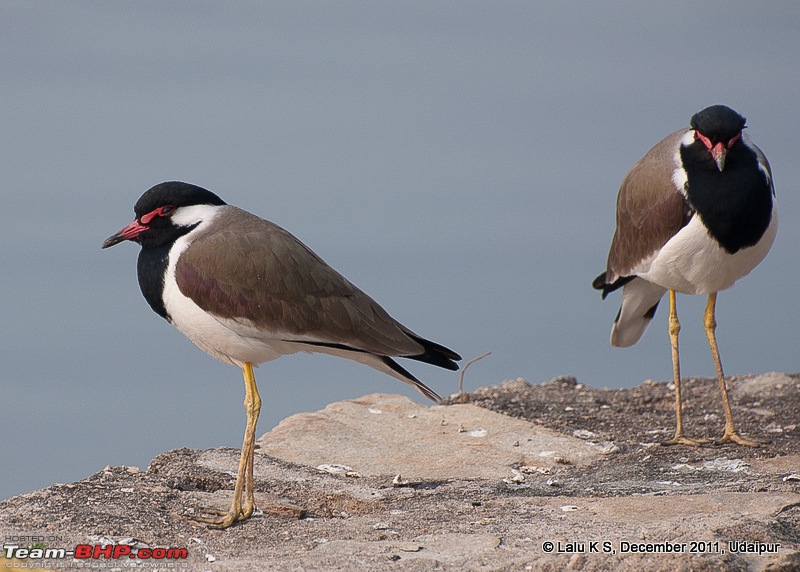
601, 283
438, 355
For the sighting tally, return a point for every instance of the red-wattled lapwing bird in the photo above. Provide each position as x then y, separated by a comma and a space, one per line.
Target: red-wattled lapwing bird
246, 291
694, 215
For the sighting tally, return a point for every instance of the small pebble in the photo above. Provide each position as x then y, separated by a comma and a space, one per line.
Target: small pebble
609, 448
399, 481
584, 434
334, 469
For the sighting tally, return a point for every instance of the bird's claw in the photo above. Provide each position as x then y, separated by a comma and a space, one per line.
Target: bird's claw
221, 519
734, 437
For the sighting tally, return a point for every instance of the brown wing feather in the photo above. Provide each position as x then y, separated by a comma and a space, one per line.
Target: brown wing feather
272, 279
650, 209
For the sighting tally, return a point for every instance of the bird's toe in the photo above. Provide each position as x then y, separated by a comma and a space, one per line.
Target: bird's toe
734, 437
220, 519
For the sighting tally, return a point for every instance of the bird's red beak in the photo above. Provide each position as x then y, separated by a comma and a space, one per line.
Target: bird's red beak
719, 152
130, 232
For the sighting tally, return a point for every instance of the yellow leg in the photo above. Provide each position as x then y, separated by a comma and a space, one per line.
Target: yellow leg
250, 438
710, 322
674, 330
243, 503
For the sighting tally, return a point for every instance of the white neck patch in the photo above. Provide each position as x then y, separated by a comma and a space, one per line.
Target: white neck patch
191, 215
679, 177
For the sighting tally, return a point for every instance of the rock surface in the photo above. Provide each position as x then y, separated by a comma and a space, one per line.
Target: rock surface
389, 435
557, 462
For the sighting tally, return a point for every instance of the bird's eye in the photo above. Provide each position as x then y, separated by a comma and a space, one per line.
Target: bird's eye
166, 210
705, 140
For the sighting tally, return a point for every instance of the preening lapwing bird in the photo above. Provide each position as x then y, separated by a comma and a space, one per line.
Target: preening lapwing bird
246, 291
694, 215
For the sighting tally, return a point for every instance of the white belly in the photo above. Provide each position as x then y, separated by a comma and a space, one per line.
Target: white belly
692, 262
227, 343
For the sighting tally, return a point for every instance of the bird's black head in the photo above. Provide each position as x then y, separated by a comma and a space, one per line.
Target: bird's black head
175, 194
153, 225
718, 128
718, 123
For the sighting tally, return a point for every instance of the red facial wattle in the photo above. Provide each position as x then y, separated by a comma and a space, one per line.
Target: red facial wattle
138, 226
719, 151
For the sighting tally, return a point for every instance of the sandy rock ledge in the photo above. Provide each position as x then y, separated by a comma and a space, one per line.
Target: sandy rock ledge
465, 487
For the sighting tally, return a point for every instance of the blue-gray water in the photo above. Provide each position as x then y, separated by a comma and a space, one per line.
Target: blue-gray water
458, 161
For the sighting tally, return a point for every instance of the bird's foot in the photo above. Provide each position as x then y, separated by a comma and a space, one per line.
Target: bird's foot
681, 439
221, 519
731, 435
